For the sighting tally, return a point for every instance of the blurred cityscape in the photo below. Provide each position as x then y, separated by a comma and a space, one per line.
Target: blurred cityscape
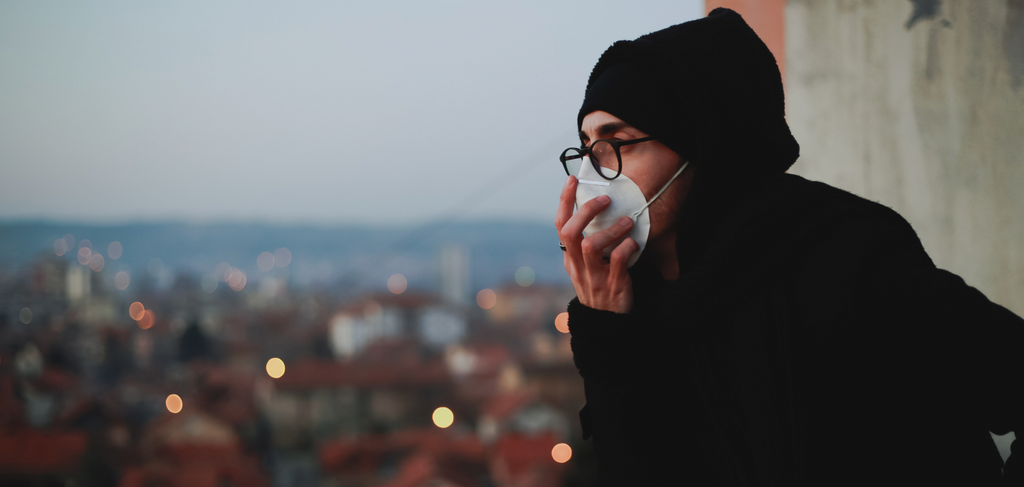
233, 354
135, 356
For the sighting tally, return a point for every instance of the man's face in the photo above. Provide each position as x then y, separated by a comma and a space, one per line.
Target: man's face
649, 164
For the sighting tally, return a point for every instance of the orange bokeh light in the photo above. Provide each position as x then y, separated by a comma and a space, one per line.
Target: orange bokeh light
96, 262
561, 453
136, 311
121, 280
223, 271
443, 417
236, 280
265, 261
148, 318
84, 255
174, 403
275, 368
486, 298
114, 250
562, 322
397, 283
60, 246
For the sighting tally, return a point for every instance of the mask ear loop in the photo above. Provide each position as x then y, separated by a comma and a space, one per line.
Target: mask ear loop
637, 213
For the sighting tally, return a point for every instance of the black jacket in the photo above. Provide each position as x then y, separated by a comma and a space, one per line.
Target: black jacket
809, 340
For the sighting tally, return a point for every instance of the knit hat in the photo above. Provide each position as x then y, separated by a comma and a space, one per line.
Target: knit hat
709, 89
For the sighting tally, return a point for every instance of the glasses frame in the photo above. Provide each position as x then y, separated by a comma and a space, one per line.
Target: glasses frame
584, 151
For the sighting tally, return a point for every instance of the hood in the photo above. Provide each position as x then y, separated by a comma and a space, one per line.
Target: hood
720, 88
722, 91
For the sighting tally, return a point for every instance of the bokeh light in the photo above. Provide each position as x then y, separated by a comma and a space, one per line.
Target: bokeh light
84, 255
265, 261
486, 298
275, 368
25, 315
562, 322
223, 271
209, 282
561, 453
443, 417
114, 250
174, 403
60, 247
148, 318
96, 262
69, 241
85, 244
282, 257
236, 280
525, 276
397, 283
136, 311
121, 280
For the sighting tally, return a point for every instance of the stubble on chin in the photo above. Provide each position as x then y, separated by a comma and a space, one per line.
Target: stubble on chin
666, 209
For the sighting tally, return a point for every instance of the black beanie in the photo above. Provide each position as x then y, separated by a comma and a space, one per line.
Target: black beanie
709, 89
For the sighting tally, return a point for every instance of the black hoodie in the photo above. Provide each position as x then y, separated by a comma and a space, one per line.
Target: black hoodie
809, 339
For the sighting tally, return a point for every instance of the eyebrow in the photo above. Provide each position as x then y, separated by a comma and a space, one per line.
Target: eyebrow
606, 128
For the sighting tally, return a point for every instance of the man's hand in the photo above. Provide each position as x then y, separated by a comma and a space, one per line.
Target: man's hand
599, 284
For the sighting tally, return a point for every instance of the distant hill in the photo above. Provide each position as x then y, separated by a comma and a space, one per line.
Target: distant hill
363, 256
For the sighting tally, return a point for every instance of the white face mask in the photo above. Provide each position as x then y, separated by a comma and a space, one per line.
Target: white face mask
627, 200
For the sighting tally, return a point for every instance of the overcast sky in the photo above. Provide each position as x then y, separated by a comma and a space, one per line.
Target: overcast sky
296, 112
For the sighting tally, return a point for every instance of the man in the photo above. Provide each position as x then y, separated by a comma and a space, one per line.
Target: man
773, 330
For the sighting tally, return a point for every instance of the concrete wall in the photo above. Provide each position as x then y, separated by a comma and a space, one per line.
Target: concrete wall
919, 105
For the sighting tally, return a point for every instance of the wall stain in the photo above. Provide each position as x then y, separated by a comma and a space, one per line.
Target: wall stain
931, 66
923, 10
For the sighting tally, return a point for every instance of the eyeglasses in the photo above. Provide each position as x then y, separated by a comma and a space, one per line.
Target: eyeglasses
604, 154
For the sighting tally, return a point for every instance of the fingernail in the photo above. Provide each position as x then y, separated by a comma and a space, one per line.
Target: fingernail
603, 199
625, 221
567, 181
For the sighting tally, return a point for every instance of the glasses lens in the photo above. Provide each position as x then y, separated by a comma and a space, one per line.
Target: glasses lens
604, 155
572, 160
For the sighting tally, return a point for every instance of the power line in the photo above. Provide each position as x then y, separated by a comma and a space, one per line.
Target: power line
495, 185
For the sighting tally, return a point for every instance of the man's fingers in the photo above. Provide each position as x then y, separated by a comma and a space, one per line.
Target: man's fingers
566, 202
594, 245
620, 257
572, 231
610, 235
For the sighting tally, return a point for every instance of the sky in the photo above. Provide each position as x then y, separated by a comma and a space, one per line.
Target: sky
390, 113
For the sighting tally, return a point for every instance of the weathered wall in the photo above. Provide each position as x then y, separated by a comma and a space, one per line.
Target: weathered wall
919, 105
